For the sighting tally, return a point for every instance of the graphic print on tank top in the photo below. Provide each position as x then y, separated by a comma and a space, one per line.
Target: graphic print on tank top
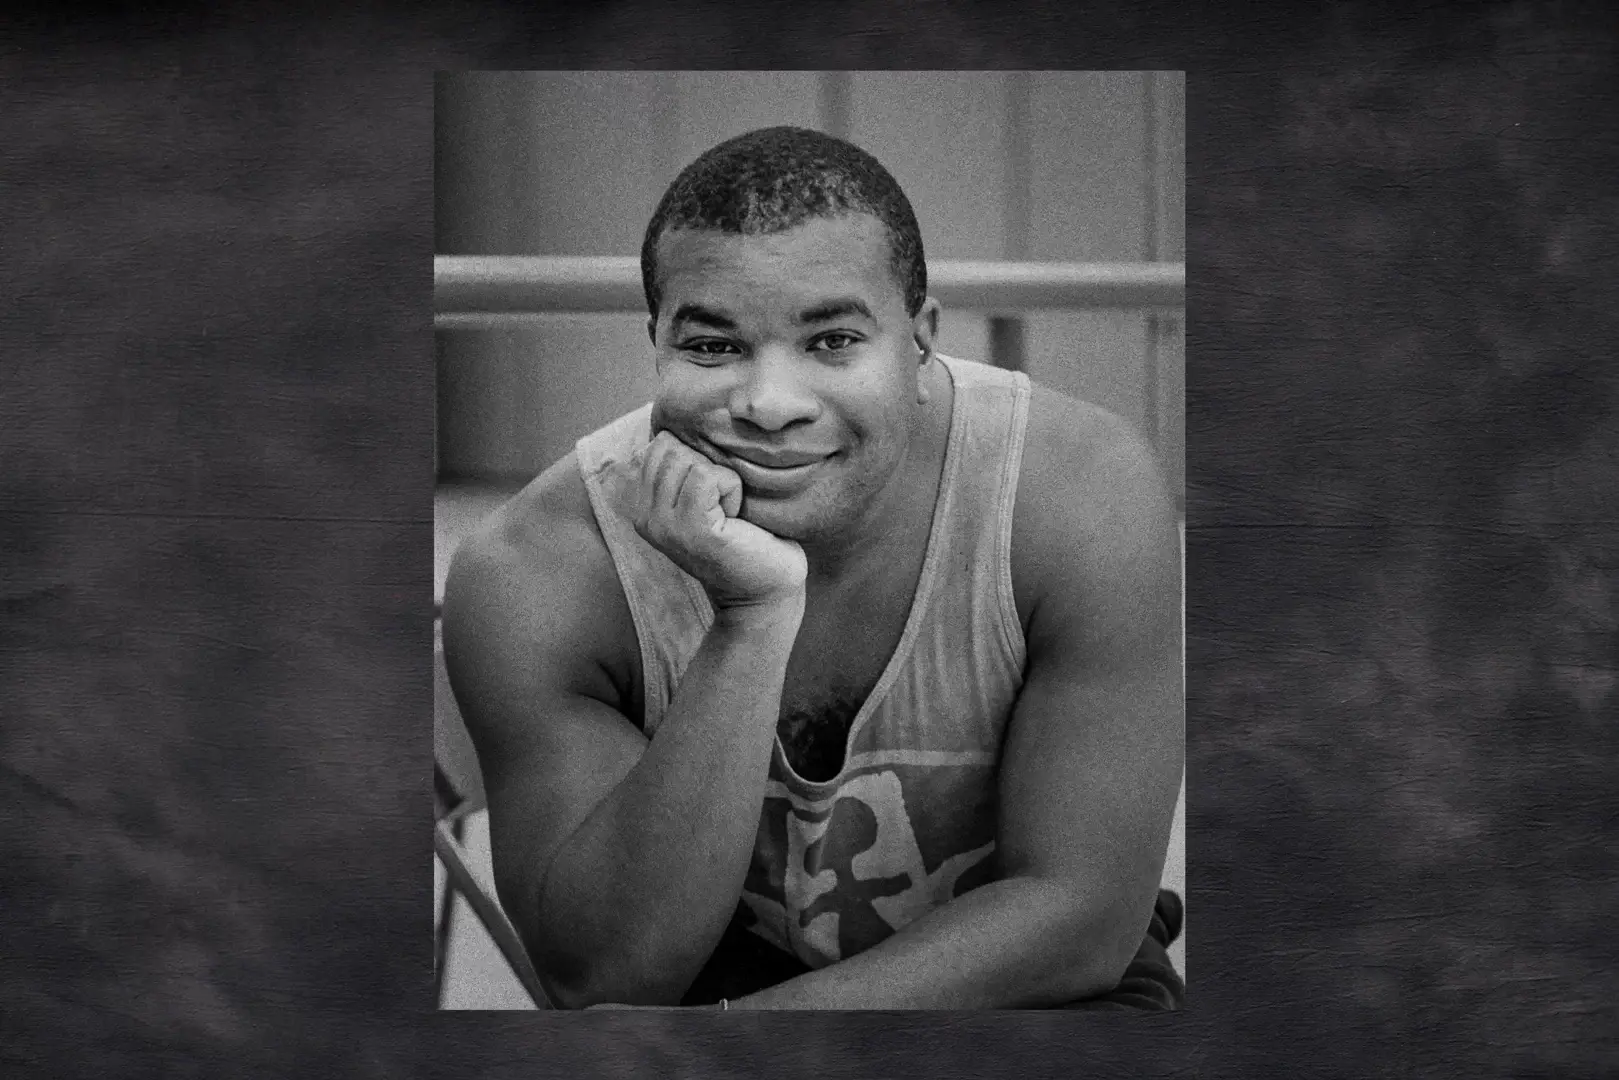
856, 865
909, 823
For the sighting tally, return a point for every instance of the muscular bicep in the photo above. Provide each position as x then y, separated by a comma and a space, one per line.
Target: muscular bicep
1095, 749
523, 648
1089, 779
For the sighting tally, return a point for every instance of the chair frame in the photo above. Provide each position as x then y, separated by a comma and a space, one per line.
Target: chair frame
447, 845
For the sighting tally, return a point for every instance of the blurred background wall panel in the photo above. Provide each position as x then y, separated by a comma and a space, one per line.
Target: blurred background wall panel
1082, 166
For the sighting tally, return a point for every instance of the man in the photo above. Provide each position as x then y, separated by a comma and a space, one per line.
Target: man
845, 674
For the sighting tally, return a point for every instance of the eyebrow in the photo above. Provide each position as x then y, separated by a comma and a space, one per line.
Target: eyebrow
832, 309
696, 313
836, 309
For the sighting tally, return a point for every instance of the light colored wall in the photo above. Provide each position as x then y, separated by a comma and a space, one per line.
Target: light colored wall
1043, 165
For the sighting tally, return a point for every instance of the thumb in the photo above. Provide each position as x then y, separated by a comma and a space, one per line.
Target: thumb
730, 485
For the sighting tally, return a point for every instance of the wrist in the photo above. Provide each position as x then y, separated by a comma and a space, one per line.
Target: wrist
781, 613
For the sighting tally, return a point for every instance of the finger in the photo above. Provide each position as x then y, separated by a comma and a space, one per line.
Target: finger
635, 496
653, 456
730, 487
633, 468
671, 473
664, 441
720, 490
669, 444
646, 462
699, 499
692, 445
685, 445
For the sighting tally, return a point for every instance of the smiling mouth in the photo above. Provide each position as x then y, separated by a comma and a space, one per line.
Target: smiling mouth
775, 473
748, 467
783, 469
773, 461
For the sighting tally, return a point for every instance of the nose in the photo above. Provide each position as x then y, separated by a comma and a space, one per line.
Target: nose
772, 395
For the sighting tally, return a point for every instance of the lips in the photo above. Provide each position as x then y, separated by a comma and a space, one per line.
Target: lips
773, 459
772, 472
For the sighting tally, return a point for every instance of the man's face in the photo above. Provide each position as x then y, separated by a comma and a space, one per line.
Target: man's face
790, 359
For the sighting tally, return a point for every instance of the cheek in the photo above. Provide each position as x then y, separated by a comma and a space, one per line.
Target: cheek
683, 396
884, 410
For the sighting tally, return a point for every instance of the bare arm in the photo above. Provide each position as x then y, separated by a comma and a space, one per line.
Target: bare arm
619, 859
640, 893
1091, 768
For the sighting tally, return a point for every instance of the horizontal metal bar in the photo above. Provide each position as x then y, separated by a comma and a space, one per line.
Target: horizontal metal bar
482, 290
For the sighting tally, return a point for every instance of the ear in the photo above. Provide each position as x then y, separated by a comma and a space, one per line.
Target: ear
924, 331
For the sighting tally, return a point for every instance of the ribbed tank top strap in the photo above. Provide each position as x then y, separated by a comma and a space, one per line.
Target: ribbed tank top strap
993, 411
666, 604
990, 416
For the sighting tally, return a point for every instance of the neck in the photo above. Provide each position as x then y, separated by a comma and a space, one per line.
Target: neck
905, 503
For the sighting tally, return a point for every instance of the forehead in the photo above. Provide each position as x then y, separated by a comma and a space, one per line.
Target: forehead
848, 255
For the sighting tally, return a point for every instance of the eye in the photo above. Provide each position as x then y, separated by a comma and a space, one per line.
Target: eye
707, 351
837, 341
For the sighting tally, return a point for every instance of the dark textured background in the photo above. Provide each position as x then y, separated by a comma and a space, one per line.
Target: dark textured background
215, 527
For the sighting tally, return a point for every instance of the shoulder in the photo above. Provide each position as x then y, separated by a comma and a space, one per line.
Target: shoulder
1091, 506
534, 592
546, 528
1077, 453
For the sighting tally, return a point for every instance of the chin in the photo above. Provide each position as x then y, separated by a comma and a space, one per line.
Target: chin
791, 519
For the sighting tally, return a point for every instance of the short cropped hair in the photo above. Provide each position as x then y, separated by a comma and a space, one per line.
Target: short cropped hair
775, 179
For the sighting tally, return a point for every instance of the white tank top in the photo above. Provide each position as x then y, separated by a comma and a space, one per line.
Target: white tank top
909, 822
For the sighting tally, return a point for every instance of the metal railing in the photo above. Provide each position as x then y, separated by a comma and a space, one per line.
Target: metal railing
475, 291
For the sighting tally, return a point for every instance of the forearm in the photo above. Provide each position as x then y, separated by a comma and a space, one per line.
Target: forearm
1012, 944
637, 896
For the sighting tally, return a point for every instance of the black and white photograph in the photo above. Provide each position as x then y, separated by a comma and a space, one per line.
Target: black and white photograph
808, 528
908, 524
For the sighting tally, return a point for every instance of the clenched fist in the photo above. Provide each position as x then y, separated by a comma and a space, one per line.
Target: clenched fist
685, 506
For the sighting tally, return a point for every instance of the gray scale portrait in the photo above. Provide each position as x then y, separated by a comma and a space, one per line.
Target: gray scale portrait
809, 618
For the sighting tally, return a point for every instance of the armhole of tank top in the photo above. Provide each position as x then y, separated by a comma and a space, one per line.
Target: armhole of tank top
652, 691
1011, 626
